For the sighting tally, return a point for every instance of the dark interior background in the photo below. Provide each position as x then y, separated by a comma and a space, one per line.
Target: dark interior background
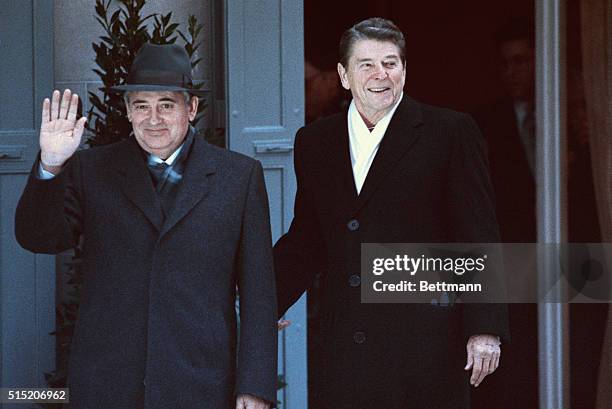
450, 47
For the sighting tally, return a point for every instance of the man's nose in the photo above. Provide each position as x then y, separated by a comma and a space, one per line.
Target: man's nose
380, 72
155, 117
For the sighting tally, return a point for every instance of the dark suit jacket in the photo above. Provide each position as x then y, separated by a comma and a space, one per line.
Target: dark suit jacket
157, 319
428, 183
513, 181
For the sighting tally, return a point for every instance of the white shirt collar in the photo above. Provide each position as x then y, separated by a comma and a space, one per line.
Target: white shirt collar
360, 136
171, 158
520, 110
359, 123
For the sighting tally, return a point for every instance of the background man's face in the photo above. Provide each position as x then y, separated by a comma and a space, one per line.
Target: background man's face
160, 120
518, 69
375, 76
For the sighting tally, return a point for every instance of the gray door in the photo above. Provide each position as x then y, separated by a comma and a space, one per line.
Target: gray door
27, 281
265, 107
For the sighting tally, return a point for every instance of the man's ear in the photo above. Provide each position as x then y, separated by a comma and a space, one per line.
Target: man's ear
128, 112
343, 76
193, 107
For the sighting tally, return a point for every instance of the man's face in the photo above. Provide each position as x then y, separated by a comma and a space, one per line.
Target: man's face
518, 69
375, 76
160, 120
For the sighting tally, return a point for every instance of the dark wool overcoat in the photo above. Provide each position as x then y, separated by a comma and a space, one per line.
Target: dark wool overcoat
428, 183
157, 323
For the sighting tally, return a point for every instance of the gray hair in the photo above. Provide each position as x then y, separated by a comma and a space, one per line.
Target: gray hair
126, 98
375, 28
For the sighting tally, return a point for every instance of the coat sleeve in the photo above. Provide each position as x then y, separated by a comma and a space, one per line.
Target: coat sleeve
257, 353
472, 217
48, 218
300, 253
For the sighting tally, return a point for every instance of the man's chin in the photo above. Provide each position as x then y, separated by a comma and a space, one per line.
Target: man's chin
156, 134
383, 106
156, 150
383, 100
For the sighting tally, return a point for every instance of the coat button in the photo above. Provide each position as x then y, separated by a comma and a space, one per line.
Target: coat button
359, 337
353, 225
354, 280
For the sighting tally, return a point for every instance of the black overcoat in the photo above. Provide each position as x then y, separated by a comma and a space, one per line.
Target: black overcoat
428, 183
157, 320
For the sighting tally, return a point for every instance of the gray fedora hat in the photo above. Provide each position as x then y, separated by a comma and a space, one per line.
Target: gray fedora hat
159, 68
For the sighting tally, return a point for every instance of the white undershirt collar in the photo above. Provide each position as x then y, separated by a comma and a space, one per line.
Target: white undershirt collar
171, 158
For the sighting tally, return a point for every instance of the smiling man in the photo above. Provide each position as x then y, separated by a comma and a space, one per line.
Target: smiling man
158, 119
170, 227
389, 170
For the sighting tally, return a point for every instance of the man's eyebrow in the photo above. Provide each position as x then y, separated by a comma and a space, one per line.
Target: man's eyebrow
164, 99
390, 56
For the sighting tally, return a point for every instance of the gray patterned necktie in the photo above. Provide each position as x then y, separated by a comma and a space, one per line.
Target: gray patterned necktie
158, 171
167, 178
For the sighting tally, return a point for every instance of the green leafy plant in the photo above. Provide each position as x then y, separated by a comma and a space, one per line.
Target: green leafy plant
65, 320
126, 30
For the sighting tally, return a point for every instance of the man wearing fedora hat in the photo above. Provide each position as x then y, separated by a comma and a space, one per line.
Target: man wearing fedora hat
171, 226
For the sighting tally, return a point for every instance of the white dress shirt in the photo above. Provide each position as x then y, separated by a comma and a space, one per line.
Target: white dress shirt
524, 114
363, 143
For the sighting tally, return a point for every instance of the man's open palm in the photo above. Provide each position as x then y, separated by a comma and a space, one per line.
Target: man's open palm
60, 132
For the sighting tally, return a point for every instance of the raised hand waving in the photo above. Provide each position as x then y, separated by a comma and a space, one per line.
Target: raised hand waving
60, 132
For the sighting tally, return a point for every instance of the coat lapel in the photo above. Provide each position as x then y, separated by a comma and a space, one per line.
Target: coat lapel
136, 182
401, 133
339, 159
195, 184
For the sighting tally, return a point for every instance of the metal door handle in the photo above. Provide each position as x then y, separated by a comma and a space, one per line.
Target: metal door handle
271, 147
11, 154
277, 149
